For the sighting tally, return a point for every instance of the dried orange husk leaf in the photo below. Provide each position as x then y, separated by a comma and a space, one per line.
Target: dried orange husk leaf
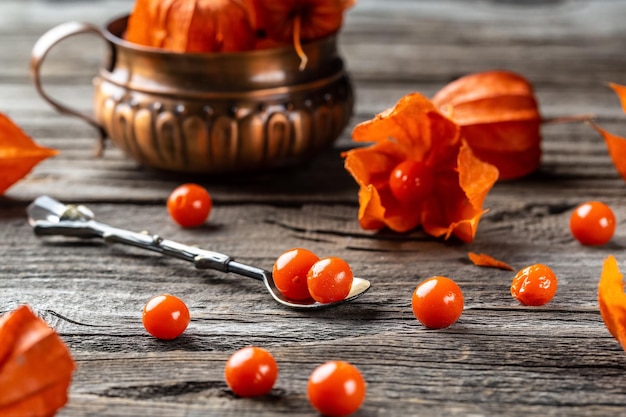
482, 259
36, 372
616, 144
137, 29
617, 149
458, 208
620, 90
43, 403
18, 153
414, 130
612, 300
499, 117
191, 25
299, 21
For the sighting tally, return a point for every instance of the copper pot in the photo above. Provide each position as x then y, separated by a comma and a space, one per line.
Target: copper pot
211, 112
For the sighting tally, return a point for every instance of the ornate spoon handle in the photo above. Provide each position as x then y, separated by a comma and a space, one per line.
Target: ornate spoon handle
49, 217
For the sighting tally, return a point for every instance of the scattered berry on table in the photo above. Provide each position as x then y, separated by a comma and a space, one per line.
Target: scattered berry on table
534, 285
592, 223
189, 205
437, 302
251, 372
336, 389
165, 316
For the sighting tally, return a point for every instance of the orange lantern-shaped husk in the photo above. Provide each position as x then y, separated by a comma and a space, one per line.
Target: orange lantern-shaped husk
191, 25
499, 117
35, 366
297, 21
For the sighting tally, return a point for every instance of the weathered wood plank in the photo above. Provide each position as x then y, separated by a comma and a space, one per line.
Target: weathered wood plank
487, 359
499, 359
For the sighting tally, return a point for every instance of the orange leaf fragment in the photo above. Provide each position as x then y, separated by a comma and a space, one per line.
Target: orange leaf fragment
413, 130
191, 25
499, 117
617, 149
18, 153
612, 300
616, 144
620, 90
488, 261
35, 366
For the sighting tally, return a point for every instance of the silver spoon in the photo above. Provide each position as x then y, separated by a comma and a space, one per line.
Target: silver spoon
50, 217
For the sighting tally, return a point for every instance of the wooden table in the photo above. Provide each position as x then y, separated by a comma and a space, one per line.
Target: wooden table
500, 358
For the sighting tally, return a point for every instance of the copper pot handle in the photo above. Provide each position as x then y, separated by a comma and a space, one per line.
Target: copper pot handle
41, 48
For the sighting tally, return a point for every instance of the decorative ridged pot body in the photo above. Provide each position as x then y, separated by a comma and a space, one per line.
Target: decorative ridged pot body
213, 112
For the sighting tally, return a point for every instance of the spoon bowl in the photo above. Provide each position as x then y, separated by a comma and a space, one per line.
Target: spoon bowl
49, 217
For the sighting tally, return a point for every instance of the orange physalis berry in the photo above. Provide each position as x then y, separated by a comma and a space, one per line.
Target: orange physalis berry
336, 389
165, 317
592, 223
189, 205
534, 285
330, 280
437, 302
411, 181
251, 371
290, 273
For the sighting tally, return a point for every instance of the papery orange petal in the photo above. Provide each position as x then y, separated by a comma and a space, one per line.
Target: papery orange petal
443, 205
371, 167
18, 153
171, 24
374, 214
371, 211
617, 149
45, 363
482, 85
318, 18
459, 205
485, 260
373, 164
620, 90
220, 26
408, 123
511, 164
11, 324
37, 366
137, 29
521, 136
445, 140
475, 176
191, 25
42, 403
612, 300
494, 109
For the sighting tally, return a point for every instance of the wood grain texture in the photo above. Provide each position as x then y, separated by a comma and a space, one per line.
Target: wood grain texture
499, 359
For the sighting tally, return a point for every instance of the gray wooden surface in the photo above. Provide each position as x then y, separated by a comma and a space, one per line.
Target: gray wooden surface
499, 359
